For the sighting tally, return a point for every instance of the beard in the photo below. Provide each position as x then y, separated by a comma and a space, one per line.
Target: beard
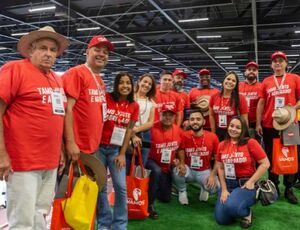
177, 86
251, 77
196, 128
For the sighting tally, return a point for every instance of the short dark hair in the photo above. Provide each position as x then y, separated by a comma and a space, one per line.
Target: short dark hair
244, 137
152, 92
164, 72
195, 111
115, 93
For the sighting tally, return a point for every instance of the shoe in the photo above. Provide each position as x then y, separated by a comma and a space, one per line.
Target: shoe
290, 196
203, 195
152, 212
246, 222
183, 198
174, 191
297, 185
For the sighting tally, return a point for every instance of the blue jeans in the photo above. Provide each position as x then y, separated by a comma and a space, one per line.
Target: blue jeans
237, 204
119, 219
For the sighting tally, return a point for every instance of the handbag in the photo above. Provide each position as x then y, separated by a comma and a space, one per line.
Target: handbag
266, 192
58, 221
284, 158
137, 190
80, 208
290, 135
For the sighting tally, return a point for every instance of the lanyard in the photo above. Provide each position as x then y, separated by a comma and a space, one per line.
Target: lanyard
227, 100
202, 142
281, 83
48, 79
101, 91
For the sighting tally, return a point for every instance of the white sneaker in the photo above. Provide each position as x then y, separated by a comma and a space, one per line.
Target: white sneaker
203, 194
183, 198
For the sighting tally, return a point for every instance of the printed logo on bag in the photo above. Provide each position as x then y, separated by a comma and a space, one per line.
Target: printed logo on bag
291, 134
136, 193
285, 151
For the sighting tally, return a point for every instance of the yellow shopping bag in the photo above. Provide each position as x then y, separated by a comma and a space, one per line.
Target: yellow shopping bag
79, 209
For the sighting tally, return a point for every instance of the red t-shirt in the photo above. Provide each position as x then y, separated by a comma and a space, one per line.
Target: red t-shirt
164, 139
251, 93
169, 98
32, 133
204, 147
185, 100
221, 107
80, 84
243, 157
195, 93
290, 92
119, 113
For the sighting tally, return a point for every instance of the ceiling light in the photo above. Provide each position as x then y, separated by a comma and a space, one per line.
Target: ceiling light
153, 72
232, 67
292, 62
209, 36
130, 44
223, 56
293, 55
171, 64
295, 45
143, 51
115, 59
120, 42
3, 48
128, 65
36, 9
159, 59
218, 48
228, 63
144, 69
193, 20
19, 34
297, 32
63, 61
88, 28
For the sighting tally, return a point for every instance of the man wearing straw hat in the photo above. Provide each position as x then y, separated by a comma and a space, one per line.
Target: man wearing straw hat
281, 92
32, 103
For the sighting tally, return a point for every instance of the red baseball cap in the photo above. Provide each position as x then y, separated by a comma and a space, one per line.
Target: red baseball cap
101, 40
204, 72
253, 64
179, 72
168, 108
279, 54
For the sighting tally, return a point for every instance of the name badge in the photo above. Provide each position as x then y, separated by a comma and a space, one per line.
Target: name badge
229, 171
279, 102
248, 99
57, 103
196, 162
166, 156
104, 112
117, 137
222, 120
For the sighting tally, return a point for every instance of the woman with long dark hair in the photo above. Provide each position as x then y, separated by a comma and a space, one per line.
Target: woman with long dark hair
227, 104
122, 113
236, 161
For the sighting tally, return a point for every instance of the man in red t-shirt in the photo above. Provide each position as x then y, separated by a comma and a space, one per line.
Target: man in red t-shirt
277, 90
32, 103
205, 89
195, 153
250, 89
165, 140
166, 96
86, 108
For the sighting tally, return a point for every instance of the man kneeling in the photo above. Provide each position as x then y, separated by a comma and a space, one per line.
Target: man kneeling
195, 154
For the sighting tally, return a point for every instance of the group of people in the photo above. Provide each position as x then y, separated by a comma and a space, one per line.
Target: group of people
207, 136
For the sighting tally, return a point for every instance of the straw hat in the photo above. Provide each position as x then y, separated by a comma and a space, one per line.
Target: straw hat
25, 42
94, 168
203, 104
283, 117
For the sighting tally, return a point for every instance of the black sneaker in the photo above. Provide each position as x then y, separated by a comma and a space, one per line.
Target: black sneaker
289, 195
152, 212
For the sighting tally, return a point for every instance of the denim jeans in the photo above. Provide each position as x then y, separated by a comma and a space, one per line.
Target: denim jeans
237, 204
192, 175
119, 219
160, 183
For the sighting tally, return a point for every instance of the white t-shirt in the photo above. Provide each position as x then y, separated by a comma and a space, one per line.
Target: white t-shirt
145, 108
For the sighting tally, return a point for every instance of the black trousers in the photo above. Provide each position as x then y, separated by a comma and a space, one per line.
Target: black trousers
268, 135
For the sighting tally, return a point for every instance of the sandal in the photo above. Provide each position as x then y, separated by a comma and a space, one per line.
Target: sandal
246, 222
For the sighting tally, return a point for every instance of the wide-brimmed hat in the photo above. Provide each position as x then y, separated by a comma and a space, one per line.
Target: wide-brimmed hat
283, 117
202, 103
100, 40
95, 169
25, 41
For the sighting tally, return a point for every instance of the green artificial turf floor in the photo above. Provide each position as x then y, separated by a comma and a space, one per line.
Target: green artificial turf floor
200, 215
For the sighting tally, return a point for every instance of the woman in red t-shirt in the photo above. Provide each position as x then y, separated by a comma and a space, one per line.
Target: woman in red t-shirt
122, 113
236, 161
226, 104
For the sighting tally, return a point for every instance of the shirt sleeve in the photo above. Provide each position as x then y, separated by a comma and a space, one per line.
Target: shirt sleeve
256, 150
135, 113
72, 83
262, 91
215, 144
243, 104
297, 87
218, 157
